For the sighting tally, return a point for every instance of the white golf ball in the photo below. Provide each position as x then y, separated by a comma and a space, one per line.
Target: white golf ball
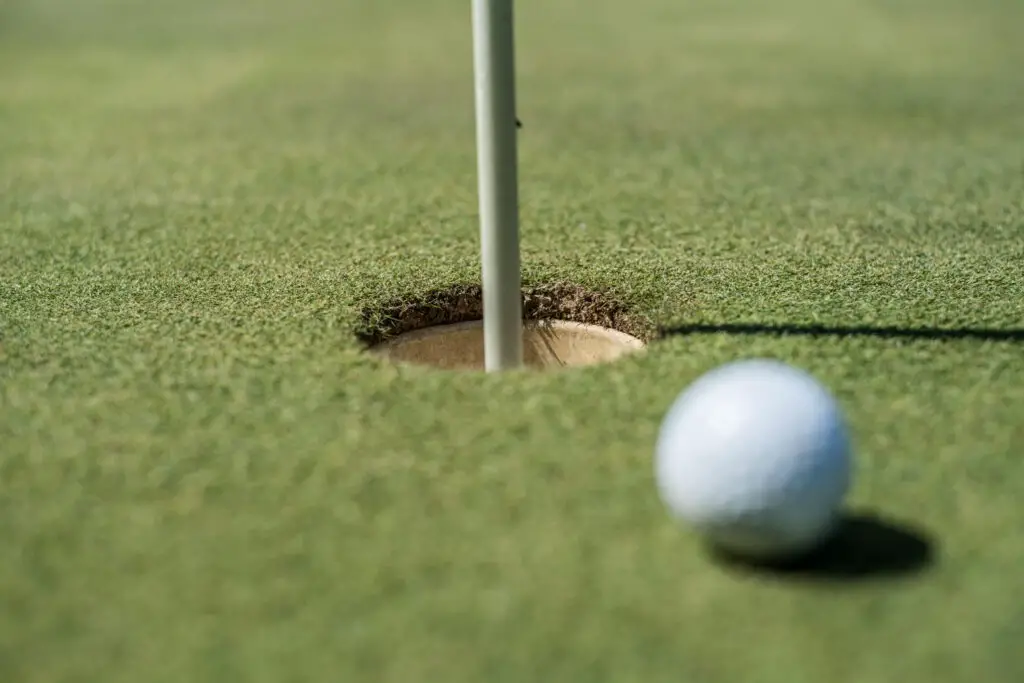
755, 457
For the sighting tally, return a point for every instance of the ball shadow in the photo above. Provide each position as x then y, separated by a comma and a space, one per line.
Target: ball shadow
864, 547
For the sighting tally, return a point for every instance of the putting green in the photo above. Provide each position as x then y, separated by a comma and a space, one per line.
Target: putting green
203, 477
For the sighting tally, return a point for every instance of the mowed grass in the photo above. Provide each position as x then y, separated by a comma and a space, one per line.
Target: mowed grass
204, 478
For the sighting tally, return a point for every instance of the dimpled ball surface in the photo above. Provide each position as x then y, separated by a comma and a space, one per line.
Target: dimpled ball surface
755, 457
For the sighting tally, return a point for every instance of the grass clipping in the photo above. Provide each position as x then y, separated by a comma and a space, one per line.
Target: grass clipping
464, 303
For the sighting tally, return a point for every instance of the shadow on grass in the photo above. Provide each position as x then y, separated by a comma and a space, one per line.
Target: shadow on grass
976, 333
866, 546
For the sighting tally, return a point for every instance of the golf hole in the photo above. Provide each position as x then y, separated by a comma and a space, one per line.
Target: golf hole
546, 344
565, 325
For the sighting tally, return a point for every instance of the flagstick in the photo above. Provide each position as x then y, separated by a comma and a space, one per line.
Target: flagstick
497, 167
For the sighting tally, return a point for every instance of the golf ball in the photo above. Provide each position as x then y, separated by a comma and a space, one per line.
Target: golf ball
755, 457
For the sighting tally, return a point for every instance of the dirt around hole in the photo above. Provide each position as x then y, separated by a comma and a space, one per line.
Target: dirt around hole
464, 303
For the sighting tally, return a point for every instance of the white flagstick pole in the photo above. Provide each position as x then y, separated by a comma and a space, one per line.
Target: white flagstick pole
497, 168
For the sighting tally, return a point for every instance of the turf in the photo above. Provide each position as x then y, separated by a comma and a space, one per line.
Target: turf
204, 478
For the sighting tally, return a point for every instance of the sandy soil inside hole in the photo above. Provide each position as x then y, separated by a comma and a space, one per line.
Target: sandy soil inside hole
547, 344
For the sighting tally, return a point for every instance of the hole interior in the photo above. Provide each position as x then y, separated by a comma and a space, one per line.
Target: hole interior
564, 325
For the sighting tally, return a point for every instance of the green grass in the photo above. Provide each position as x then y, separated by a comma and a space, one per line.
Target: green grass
203, 478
